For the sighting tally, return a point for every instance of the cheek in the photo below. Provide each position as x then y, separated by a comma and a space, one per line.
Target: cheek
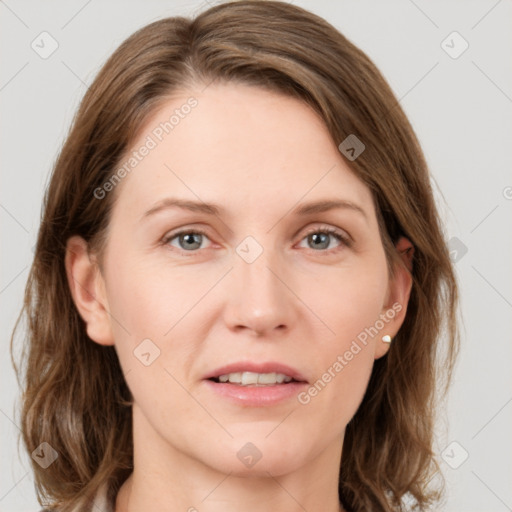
146, 308
149, 299
348, 299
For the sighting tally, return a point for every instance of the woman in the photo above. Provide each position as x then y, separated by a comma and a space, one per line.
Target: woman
239, 281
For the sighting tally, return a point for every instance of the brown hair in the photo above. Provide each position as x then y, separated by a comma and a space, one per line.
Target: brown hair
75, 396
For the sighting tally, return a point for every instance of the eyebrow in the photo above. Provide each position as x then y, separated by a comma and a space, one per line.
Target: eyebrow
213, 209
326, 205
193, 206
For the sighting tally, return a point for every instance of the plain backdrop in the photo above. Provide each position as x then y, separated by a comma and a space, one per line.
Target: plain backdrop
459, 103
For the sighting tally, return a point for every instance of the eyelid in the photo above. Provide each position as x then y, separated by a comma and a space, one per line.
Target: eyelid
181, 231
330, 229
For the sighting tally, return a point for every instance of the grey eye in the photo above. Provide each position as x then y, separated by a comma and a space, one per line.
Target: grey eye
190, 241
319, 240
187, 240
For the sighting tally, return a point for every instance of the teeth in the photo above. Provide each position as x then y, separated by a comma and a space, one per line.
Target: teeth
248, 378
265, 378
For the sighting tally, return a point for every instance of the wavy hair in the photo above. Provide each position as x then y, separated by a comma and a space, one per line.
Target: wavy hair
74, 393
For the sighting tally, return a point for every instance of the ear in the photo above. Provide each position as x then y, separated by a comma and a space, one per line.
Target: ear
88, 290
399, 290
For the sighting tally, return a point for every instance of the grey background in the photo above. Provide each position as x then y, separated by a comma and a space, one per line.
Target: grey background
460, 109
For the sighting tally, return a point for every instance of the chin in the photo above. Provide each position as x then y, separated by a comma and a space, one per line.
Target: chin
257, 456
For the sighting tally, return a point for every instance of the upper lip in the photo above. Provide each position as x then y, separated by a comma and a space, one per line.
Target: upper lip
251, 366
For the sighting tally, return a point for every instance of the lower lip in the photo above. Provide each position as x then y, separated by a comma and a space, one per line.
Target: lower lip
256, 396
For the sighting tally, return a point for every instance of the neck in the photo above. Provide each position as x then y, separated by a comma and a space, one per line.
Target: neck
167, 479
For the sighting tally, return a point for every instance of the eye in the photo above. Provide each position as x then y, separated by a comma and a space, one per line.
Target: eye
320, 239
187, 240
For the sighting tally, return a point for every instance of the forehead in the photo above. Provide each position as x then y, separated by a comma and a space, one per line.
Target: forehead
239, 145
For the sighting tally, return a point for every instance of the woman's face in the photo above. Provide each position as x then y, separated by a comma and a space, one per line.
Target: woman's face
279, 281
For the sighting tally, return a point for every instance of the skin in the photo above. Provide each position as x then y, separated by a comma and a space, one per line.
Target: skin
259, 155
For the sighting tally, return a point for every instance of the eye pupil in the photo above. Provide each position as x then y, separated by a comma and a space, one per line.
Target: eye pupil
321, 238
190, 238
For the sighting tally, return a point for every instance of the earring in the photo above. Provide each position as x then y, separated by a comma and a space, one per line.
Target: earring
386, 338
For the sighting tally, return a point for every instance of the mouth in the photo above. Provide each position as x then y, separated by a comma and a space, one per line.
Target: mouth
249, 373
252, 384
254, 379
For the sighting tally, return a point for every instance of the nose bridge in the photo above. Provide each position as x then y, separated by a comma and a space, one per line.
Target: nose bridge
261, 301
256, 275
253, 269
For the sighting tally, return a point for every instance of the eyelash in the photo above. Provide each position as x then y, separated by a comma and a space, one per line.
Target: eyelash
340, 237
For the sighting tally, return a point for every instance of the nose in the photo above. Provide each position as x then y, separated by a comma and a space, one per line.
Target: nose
260, 300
